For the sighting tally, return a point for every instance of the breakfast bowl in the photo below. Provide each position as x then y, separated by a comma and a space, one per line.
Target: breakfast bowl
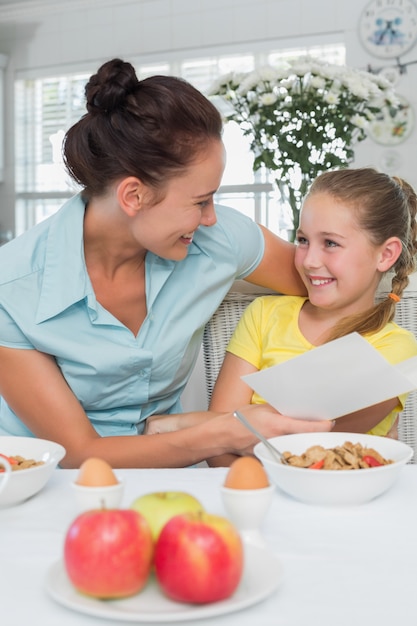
334, 486
25, 483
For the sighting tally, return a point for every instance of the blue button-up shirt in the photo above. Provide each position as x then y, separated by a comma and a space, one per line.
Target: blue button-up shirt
47, 303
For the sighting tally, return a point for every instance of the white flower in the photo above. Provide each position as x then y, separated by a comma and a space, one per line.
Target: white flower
317, 82
329, 71
289, 83
301, 67
248, 83
359, 120
331, 97
223, 82
357, 87
268, 98
267, 73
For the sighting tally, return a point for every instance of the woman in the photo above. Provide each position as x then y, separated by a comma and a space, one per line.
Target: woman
103, 305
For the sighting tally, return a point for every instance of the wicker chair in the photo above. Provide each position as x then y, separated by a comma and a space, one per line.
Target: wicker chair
221, 326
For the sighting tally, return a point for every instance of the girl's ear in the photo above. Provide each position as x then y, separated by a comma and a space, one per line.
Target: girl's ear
130, 192
390, 252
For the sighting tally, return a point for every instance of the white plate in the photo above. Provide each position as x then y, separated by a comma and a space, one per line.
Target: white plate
262, 575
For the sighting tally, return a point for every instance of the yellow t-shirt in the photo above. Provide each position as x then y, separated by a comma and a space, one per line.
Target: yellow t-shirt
268, 333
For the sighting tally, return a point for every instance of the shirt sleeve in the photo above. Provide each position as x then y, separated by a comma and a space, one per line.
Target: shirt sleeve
244, 237
10, 334
396, 344
246, 340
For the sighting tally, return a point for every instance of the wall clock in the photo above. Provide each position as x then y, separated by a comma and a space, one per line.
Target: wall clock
388, 28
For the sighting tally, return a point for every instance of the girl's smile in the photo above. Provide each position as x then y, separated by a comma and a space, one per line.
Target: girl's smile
338, 264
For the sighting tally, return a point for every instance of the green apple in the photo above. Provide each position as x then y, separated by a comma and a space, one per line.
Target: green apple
160, 506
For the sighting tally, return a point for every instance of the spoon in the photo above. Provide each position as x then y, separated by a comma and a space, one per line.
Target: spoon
278, 456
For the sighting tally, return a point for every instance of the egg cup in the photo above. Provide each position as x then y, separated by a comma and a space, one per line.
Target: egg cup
107, 497
246, 509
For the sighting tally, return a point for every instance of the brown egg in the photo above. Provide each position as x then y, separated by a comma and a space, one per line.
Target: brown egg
246, 473
96, 472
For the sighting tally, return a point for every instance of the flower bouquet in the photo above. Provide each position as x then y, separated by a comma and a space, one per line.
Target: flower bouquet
303, 118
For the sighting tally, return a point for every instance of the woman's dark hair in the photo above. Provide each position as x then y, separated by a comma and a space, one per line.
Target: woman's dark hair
384, 207
151, 129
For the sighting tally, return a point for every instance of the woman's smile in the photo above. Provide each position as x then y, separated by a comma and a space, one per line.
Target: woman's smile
187, 238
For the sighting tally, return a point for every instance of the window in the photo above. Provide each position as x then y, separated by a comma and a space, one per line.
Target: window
47, 106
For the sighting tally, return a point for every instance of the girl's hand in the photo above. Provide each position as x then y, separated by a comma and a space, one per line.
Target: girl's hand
157, 424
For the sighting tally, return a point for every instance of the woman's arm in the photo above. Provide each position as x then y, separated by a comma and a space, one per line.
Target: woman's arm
277, 270
33, 386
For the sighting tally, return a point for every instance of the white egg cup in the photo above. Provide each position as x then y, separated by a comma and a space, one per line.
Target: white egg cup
107, 497
246, 509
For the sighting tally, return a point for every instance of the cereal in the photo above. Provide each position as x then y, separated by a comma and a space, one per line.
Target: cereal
19, 462
345, 457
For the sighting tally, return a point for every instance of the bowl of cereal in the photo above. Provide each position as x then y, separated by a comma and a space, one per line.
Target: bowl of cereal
32, 462
335, 468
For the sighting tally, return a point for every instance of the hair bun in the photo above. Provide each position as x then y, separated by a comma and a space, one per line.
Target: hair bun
108, 89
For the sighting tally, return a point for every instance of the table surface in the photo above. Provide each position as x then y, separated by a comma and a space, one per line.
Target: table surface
342, 566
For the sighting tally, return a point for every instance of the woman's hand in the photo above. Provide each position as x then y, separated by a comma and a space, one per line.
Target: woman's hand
268, 422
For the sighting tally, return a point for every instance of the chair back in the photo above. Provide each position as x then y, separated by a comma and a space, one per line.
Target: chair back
220, 328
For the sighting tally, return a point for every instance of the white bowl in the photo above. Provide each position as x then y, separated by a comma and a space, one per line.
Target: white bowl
334, 487
27, 482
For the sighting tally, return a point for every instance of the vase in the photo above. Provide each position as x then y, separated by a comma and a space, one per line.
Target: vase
292, 198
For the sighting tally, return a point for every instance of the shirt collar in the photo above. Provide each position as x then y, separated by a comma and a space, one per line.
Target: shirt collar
65, 278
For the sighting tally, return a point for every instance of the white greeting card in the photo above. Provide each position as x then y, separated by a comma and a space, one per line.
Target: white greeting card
334, 379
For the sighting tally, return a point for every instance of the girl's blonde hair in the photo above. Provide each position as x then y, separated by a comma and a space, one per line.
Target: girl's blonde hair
385, 207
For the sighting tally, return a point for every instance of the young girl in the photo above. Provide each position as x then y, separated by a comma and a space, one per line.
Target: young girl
355, 225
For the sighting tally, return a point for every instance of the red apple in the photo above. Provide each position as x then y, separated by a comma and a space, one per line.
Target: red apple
108, 552
199, 558
158, 507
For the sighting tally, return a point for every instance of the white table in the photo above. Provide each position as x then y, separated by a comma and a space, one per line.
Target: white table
342, 566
